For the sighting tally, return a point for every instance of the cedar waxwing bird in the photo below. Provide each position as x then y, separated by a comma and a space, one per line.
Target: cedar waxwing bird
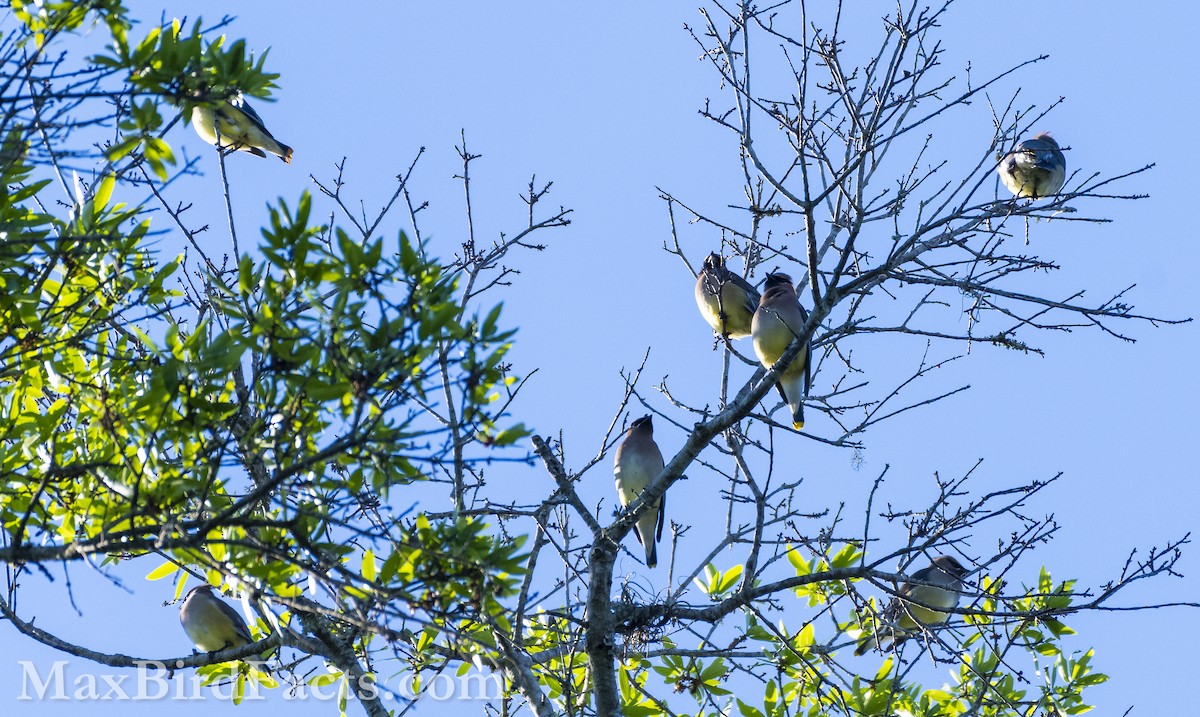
779, 319
638, 462
210, 623
1035, 169
917, 605
233, 124
726, 300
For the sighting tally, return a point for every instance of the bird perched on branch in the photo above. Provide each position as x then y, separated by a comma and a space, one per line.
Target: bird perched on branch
233, 124
726, 300
638, 462
210, 623
918, 605
1036, 168
778, 320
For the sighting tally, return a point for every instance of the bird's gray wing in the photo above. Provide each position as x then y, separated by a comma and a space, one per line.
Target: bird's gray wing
807, 356
236, 618
662, 511
251, 115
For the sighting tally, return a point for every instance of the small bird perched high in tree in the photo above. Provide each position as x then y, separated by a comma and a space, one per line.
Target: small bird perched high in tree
726, 300
918, 605
1036, 168
210, 623
638, 462
234, 125
779, 319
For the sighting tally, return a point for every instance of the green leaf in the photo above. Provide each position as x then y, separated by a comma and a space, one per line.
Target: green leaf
1057, 628
847, 557
368, 565
747, 710
802, 566
324, 680
729, 578
805, 638
103, 190
162, 571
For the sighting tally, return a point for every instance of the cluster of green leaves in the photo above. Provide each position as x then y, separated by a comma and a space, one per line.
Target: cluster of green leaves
349, 339
822, 592
240, 677
73, 382
809, 680
259, 422
454, 569
46, 18
566, 675
457, 575
188, 66
1038, 634
336, 357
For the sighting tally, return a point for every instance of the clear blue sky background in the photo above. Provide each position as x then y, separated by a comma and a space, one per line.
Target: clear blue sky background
602, 99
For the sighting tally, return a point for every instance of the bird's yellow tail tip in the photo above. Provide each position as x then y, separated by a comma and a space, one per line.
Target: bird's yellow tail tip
798, 425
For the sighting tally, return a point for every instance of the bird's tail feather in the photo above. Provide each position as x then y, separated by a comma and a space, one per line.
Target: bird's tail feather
866, 645
793, 394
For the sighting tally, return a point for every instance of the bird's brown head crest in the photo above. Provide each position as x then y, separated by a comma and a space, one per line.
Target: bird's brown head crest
777, 281
206, 588
1045, 136
947, 564
643, 422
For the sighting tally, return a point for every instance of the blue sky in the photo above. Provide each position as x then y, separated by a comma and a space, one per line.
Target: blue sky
602, 99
